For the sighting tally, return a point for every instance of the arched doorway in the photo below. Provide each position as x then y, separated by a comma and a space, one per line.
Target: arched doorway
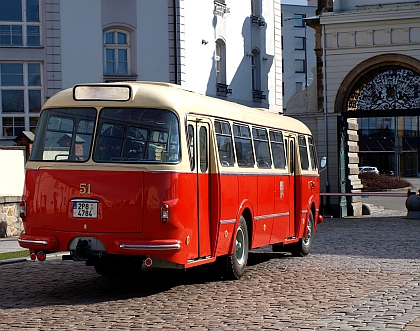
383, 94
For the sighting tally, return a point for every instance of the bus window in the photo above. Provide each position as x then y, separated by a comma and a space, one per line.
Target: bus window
191, 147
243, 146
137, 135
67, 135
135, 146
262, 149
303, 151
203, 150
224, 143
312, 153
277, 148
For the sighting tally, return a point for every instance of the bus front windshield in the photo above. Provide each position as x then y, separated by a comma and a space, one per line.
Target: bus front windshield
127, 135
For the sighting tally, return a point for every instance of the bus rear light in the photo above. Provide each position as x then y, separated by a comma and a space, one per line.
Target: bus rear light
22, 213
164, 214
41, 256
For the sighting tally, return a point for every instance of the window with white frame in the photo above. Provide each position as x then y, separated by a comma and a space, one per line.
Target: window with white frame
220, 64
117, 47
20, 96
20, 23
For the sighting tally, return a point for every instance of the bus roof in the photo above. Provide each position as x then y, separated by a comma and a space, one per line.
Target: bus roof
168, 96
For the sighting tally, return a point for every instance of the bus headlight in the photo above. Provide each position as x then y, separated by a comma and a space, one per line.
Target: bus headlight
164, 214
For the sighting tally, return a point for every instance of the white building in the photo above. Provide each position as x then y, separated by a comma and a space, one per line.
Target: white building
298, 44
226, 49
364, 108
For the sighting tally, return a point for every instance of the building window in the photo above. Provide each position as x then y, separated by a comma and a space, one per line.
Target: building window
20, 96
299, 86
299, 20
256, 70
300, 66
220, 64
299, 43
117, 46
19, 23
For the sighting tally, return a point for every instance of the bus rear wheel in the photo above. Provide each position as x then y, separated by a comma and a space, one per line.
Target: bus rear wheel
238, 260
304, 245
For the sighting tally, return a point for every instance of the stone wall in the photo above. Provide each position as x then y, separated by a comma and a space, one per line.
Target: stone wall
10, 223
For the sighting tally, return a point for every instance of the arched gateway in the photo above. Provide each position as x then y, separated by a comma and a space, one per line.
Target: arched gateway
383, 94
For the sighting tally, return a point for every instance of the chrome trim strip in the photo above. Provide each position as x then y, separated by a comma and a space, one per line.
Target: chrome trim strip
263, 217
33, 242
151, 247
85, 200
227, 221
304, 211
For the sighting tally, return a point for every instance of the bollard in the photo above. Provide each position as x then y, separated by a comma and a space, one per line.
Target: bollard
413, 206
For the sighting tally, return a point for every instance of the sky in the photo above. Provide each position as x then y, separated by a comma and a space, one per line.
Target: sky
294, 2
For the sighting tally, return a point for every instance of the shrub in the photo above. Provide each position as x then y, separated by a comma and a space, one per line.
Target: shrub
372, 182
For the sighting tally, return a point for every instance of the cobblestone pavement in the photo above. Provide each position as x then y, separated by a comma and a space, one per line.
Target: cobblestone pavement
362, 274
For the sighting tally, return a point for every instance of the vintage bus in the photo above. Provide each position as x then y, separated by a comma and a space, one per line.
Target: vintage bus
151, 174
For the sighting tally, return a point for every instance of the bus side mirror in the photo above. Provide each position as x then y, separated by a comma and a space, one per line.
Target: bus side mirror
323, 163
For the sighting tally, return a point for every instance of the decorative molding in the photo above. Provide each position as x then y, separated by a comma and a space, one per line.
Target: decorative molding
220, 9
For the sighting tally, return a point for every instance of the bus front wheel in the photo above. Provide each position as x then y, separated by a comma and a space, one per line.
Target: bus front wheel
304, 245
238, 260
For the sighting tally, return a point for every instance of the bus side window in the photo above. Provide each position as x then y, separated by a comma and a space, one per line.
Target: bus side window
224, 143
277, 148
303, 151
262, 149
191, 147
243, 146
312, 153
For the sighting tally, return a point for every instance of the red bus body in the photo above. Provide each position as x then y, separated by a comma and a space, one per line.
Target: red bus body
175, 218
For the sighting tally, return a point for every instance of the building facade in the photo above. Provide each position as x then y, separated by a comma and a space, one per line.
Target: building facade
226, 49
298, 44
366, 102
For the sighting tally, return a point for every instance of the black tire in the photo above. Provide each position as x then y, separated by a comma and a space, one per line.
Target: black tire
304, 245
238, 260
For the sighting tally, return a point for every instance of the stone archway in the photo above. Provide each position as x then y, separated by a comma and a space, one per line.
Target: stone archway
384, 86
365, 69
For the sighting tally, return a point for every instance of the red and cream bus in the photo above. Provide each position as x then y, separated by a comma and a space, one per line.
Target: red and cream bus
150, 174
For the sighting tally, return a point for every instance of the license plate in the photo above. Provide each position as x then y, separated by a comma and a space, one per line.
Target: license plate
85, 209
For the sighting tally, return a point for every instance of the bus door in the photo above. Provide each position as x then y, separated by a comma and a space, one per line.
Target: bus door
199, 153
291, 161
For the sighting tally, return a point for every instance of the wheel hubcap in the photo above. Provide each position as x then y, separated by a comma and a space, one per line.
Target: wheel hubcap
307, 239
240, 247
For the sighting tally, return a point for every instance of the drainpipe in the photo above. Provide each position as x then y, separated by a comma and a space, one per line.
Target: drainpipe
175, 40
324, 60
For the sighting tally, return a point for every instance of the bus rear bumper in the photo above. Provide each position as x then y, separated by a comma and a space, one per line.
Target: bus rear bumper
37, 243
147, 247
